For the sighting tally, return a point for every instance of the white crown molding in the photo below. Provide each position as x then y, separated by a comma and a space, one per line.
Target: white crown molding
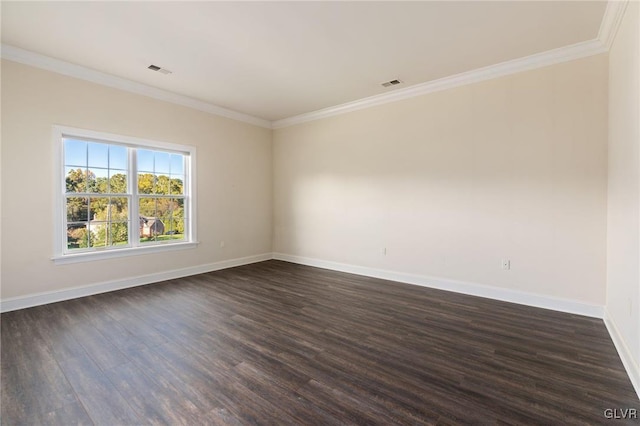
539, 60
611, 20
37, 299
48, 63
463, 287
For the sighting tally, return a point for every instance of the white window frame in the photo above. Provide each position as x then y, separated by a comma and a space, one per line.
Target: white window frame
62, 255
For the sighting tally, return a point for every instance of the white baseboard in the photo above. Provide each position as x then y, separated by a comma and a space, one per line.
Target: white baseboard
37, 299
473, 289
633, 370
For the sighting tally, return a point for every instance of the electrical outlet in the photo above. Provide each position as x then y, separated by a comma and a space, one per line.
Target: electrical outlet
384, 251
221, 244
506, 264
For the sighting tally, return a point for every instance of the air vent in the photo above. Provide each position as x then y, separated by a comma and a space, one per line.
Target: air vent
391, 83
159, 69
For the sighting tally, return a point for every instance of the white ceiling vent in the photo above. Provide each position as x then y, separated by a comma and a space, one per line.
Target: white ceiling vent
391, 83
159, 69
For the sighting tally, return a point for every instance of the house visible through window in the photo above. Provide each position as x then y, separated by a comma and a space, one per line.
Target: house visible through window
120, 195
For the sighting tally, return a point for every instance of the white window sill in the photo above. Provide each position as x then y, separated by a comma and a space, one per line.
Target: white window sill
124, 252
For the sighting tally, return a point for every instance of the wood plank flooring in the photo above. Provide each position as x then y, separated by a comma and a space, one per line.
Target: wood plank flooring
283, 344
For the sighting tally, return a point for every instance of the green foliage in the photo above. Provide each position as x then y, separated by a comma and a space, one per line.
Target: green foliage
100, 236
146, 183
119, 233
162, 238
79, 180
78, 237
109, 226
77, 209
149, 183
118, 184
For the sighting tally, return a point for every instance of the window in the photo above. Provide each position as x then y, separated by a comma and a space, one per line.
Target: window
119, 196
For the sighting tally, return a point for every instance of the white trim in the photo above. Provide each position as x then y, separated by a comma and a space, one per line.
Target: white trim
469, 288
62, 130
611, 21
191, 186
633, 370
58, 190
37, 299
539, 60
473, 289
72, 70
608, 28
90, 256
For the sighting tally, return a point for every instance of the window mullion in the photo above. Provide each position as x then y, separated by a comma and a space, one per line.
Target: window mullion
134, 214
186, 192
65, 222
63, 247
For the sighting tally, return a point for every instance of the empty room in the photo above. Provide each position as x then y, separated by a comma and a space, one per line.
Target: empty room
320, 213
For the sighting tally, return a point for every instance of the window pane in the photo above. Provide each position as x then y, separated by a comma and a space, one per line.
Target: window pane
98, 208
99, 231
177, 207
118, 181
76, 179
77, 209
176, 186
98, 181
151, 229
118, 209
119, 233
118, 157
168, 226
145, 160
151, 225
181, 224
98, 155
162, 162
75, 153
177, 218
165, 217
181, 227
162, 185
163, 207
77, 236
146, 183
177, 164
147, 207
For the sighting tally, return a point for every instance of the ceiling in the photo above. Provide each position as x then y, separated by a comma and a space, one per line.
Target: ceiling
274, 60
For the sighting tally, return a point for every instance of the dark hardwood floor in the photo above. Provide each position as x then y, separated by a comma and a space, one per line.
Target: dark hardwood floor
277, 343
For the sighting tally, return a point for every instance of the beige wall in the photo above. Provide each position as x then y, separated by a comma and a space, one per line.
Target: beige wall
623, 242
454, 181
233, 178
449, 183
